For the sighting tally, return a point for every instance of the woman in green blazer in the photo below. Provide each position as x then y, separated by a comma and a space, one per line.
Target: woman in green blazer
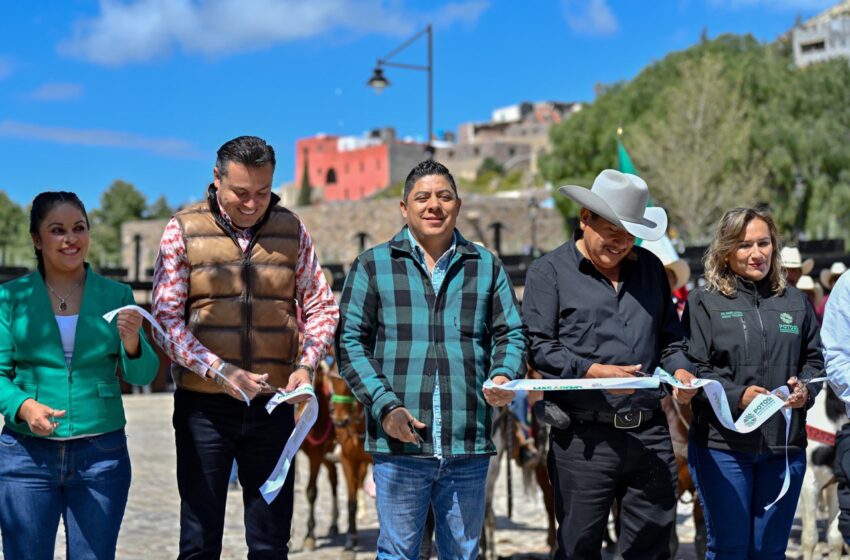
63, 452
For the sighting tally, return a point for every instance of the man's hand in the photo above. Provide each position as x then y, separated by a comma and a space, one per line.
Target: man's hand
251, 383
499, 397
41, 419
298, 378
750, 394
399, 424
799, 393
684, 396
604, 370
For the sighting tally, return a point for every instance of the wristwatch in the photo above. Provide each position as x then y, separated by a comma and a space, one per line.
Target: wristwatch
310, 370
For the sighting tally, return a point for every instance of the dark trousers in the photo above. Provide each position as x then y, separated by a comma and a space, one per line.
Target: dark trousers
591, 465
210, 432
842, 475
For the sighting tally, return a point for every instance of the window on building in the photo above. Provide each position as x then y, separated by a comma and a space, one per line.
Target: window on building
345, 168
450, 154
362, 166
377, 164
813, 47
476, 152
331, 177
511, 152
345, 193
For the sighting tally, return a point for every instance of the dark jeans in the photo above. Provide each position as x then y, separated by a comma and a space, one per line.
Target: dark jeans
842, 475
592, 464
85, 481
210, 432
734, 487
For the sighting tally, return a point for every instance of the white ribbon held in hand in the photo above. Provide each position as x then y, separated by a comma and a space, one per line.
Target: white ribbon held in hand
271, 488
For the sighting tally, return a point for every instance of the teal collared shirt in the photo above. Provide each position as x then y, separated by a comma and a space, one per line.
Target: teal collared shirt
437, 276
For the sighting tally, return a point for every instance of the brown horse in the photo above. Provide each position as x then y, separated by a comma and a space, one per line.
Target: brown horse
349, 420
679, 420
317, 445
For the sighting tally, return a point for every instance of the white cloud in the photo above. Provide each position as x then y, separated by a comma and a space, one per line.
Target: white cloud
590, 17
56, 91
171, 147
142, 30
779, 5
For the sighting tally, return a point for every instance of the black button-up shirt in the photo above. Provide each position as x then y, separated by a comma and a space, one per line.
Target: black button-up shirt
575, 318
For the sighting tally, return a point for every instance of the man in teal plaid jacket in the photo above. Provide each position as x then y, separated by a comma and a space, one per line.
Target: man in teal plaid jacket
425, 319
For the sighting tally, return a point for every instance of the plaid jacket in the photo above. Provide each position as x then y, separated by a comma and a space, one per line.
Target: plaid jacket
395, 332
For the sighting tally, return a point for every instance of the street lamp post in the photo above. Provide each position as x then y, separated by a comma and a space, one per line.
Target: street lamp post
533, 209
378, 81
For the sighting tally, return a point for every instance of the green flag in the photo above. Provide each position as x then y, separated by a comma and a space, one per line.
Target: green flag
626, 166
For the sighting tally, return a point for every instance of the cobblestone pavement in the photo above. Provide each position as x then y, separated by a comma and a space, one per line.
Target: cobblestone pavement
151, 523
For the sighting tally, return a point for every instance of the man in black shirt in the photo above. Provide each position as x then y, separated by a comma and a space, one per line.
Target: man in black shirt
598, 306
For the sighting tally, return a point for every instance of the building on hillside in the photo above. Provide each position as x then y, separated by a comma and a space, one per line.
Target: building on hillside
353, 167
515, 137
823, 37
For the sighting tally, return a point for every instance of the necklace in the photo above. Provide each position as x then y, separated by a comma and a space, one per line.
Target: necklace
62, 305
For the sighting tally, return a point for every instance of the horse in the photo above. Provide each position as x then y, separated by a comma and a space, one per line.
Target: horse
349, 420
819, 490
509, 439
318, 443
679, 422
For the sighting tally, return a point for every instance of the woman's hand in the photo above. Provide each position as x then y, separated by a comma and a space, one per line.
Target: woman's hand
750, 394
799, 393
129, 323
41, 419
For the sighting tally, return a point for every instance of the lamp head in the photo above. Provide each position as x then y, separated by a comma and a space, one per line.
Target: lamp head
378, 82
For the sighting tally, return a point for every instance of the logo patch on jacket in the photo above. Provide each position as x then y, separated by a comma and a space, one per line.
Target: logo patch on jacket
731, 314
787, 325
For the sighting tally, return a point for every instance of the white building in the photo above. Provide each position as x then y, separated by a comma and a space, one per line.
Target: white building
823, 37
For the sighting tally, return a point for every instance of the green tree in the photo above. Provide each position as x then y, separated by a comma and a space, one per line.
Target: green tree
697, 155
120, 203
15, 241
489, 165
159, 210
306, 193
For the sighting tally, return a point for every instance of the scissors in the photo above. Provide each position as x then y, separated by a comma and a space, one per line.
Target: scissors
419, 441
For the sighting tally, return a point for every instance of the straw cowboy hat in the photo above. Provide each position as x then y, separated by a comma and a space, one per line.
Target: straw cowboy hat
664, 250
621, 199
829, 275
791, 258
807, 284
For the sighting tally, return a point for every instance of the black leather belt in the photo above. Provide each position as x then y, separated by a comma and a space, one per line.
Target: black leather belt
624, 420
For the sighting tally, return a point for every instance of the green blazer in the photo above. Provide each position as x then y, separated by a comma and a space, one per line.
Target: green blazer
32, 362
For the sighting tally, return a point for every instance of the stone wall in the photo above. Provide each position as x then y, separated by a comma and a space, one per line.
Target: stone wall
335, 228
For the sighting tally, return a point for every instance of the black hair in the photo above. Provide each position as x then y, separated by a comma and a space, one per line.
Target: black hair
249, 151
423, 169
42, 204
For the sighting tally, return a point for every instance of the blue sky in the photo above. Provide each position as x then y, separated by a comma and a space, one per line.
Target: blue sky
147, 90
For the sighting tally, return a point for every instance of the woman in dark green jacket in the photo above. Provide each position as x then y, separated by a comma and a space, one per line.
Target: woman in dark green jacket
752, 333
63, 452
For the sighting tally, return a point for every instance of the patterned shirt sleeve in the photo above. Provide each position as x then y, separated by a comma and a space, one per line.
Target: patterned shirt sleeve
319, 310
170, 290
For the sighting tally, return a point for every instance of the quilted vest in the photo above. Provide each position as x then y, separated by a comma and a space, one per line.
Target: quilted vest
241, 305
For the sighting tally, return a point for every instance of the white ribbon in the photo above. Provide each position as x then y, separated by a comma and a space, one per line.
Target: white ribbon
760, 409
272, 486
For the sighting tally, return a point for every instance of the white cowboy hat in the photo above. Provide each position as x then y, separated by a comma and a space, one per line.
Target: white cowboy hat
828, 275
791, 258
621, 199
807, 284
664, 250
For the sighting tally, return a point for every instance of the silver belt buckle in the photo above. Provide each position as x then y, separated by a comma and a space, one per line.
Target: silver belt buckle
627, 420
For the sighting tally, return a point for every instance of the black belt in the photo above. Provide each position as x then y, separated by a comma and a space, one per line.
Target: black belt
623, 420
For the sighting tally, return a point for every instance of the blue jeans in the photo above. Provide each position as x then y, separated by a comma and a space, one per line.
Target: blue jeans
407, 485
734, 488
85, 481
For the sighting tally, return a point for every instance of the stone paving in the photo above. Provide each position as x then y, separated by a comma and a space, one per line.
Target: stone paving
151, 524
